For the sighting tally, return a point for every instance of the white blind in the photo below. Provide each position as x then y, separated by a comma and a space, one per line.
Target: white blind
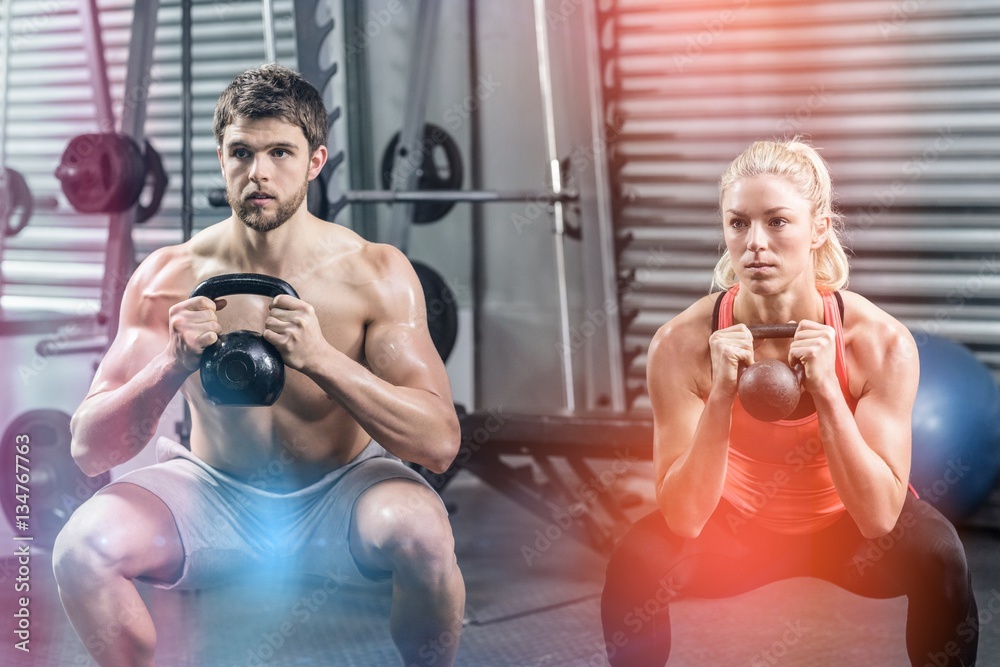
57, 263
903, 98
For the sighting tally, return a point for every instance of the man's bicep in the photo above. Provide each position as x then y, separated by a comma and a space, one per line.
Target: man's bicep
398, 345
133, 348
403, 354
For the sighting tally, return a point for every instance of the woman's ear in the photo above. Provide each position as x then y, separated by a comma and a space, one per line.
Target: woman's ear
821, 228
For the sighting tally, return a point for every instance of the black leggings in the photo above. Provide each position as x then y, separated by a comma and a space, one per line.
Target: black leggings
922, 558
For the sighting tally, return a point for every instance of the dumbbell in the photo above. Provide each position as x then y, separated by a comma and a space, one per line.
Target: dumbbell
769, 390
242, 368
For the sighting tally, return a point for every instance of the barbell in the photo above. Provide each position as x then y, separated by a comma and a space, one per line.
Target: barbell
106, 172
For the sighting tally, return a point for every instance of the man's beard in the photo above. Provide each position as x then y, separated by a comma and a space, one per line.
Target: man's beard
256, 218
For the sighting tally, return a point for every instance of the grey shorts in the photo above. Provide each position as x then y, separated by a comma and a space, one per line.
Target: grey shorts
230, 529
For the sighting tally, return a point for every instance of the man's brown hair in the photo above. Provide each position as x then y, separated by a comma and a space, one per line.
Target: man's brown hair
274, 91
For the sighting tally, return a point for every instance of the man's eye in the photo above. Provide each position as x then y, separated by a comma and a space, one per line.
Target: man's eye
241, 153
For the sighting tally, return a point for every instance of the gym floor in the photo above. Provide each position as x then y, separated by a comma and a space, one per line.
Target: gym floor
531, 601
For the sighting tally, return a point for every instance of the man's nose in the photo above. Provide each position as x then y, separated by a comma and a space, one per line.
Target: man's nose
259, 169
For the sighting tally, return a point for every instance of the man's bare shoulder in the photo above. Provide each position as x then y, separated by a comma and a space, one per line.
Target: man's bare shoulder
166, 271
169, 274
364, 264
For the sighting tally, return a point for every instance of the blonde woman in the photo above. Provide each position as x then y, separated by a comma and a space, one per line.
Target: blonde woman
823, 493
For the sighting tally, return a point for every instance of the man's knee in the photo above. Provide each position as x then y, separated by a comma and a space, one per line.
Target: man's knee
413, 532
82, 555
120, 532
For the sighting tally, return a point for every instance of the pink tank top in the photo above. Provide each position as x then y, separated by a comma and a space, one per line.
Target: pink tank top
777, 473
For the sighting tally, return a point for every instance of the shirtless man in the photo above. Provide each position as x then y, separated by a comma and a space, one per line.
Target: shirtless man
364, 388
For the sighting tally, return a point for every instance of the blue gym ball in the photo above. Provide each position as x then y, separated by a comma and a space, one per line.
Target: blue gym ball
956, 428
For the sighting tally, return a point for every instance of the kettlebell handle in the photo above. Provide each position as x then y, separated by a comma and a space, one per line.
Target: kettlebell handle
243, 283
786, 330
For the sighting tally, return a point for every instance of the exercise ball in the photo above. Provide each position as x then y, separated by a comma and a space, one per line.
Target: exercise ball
956, 428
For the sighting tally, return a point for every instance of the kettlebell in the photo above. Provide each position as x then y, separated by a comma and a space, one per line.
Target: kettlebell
242, 368
769, 389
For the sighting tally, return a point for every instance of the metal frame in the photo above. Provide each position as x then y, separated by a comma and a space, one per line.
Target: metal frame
604, 358
270, 39
120, 257
470, 196
361, 160
411, 137
309, 39
544, 439
187, 123
558, 214
479, 246
4, 78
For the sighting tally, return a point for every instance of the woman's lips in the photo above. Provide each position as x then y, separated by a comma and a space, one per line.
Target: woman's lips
758, 267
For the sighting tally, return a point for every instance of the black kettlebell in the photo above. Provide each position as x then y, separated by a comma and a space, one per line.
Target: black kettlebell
242, 368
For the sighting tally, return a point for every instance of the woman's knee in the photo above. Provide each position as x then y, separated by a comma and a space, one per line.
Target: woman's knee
936, 551
647, 543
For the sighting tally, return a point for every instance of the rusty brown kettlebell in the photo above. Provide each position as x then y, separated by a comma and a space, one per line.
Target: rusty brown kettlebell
769, 389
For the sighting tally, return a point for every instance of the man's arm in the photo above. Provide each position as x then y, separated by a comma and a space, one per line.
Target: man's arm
402, 398
868, 451
142, 370
691, 433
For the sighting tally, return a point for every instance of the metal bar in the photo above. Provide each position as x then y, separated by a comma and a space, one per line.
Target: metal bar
96, 343
600, 534
94, 44
607, 500
5, 72
503, 478
479, 247
4, 78
471, 196
410, 149
119, 260
217, 196
773, 330
270, 42
360, 150
605, 360
187, 121
548, 109
311, 39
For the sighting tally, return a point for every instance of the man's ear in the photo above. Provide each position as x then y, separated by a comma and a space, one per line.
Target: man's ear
317, 161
